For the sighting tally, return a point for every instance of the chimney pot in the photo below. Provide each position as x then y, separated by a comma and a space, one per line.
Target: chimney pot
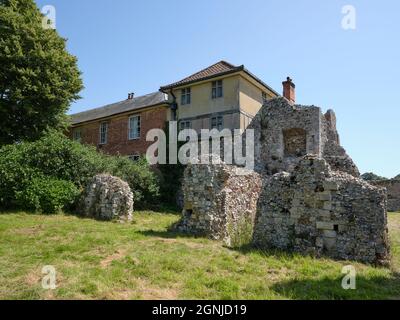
131, 96
289, 90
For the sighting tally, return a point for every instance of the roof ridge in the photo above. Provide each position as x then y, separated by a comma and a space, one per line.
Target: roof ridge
117, 102
213, 65
219, 67
228, 64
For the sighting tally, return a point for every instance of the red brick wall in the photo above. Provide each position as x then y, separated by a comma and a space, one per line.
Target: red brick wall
117, 139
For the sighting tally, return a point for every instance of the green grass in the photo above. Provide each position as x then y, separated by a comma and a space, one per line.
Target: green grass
142, 260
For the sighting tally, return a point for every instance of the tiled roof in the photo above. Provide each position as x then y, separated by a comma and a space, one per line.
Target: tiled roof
220, 68
148, 100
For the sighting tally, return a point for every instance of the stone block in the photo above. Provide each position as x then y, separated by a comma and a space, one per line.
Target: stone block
331, 185
329, 234
325, 196
324, 213
322, 225
330, 244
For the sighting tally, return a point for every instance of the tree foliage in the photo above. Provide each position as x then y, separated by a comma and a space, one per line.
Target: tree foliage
56, 163
38, 77
370, 176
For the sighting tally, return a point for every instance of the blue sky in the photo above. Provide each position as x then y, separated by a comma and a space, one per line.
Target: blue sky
130, 45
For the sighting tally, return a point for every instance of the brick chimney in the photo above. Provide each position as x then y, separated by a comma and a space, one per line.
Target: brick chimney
131, 96
289, 90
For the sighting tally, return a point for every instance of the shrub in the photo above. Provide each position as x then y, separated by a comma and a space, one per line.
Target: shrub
57, 156
47, 195
25, 166
14, 174
144, 182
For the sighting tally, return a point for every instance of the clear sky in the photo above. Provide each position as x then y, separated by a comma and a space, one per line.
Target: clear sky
132, 45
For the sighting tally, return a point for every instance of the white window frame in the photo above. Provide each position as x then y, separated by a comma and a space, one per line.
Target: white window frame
77, 135
217, 89
103, 131
185, 124
186, 96
219, 122
137, 135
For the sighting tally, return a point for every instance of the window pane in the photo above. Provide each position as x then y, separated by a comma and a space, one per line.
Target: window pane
138, 127
213, 123
220, 123
103, 132
219, 93
134, 127
77, 135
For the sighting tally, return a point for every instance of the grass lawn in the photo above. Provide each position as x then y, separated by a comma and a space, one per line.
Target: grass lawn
142, 260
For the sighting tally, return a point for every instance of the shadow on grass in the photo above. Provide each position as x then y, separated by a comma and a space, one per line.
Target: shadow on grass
25, 212
169, 234
251, 249
373, 287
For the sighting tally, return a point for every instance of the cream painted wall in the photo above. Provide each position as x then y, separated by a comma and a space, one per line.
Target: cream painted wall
250, 96
242, 99
202, 103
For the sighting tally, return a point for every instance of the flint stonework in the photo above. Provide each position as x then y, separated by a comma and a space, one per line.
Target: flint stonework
305, 194
107, 198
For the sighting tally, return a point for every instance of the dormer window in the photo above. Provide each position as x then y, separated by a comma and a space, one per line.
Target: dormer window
217, 89
186, 96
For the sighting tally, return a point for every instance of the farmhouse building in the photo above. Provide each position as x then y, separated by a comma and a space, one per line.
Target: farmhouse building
220, 96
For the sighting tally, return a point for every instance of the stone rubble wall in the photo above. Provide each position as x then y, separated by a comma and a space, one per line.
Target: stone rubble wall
277, 118
333, 152
318, 211
107, 198
305, 194
393, 191
220, 202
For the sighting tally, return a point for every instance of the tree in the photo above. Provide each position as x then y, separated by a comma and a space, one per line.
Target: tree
38, 77
370, 176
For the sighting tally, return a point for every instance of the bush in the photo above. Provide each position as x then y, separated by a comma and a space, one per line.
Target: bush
47, 195
144, 182
25, 166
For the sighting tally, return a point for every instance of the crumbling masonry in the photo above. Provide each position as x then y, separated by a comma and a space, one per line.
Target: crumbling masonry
393, 191
305, 194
